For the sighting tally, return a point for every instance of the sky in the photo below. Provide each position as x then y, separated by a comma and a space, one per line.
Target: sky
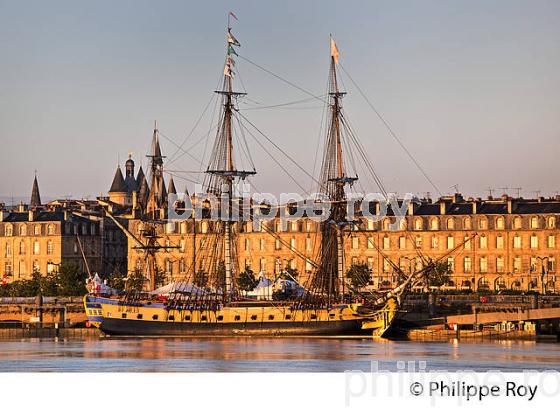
471, 88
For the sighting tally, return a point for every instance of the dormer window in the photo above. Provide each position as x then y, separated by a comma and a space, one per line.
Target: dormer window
500, 222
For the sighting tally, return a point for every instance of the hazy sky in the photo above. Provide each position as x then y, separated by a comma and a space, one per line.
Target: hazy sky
471, 87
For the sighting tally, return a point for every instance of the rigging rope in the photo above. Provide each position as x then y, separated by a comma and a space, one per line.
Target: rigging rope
391, 132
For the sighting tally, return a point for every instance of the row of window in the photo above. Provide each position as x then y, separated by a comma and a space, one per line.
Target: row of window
22, 269
36, 248
466, 223
451, 223
71, 229
451, 242
406, 264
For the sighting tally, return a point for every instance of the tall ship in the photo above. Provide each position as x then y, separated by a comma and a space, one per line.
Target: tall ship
325, 305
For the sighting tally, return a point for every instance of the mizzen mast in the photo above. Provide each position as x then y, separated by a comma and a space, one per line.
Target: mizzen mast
333, 182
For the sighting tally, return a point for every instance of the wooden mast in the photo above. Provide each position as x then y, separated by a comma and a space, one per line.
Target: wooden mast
222, 161
334, 180
229, 185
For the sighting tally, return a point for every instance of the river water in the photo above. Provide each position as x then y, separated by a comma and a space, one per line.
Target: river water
269, 355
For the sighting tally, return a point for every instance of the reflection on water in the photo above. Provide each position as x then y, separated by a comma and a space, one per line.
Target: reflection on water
268, 355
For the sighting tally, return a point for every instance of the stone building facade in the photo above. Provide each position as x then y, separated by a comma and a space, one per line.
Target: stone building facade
39, 238
493, 244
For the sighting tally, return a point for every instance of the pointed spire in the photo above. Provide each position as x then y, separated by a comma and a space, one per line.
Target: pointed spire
171, 189
140, 177
118, 184
156, 149
144, 193
35, 197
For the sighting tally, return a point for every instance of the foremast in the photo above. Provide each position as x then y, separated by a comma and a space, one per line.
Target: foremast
222, 169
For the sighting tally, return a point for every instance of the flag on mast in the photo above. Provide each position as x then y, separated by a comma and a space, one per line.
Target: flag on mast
231, 39
334, 51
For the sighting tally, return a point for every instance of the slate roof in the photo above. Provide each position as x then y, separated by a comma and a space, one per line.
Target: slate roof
118, 184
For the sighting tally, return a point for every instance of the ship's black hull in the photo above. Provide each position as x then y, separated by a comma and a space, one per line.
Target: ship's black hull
128, 327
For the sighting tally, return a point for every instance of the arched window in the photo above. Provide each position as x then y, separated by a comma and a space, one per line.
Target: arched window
517, 222
483, 223
9, 230
483, 284
386, 224
50, 229
467, 264
534, 242
168, 266
170, 227
434, 224
483, 264
483, 242
450, 223
23, 230
467, 224
386, 242
534, 222
500, 264
500, 222
418, 224
500, 284
403, 224
551, 222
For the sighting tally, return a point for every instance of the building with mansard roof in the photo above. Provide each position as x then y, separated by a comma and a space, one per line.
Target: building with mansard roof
40, 237
501, 244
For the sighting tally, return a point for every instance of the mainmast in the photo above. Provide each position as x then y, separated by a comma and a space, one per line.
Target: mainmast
333, 182
222, 164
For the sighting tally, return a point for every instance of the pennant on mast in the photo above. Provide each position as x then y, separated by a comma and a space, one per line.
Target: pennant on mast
334, 51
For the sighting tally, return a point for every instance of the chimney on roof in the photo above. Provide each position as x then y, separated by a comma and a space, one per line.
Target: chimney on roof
457, 197
411, 208
442, 206
32, 215
3, 215
474, 207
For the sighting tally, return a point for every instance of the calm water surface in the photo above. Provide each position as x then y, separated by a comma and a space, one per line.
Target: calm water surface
267, 355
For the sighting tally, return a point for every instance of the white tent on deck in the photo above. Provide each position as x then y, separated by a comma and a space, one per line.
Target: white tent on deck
180, 287
263, 290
